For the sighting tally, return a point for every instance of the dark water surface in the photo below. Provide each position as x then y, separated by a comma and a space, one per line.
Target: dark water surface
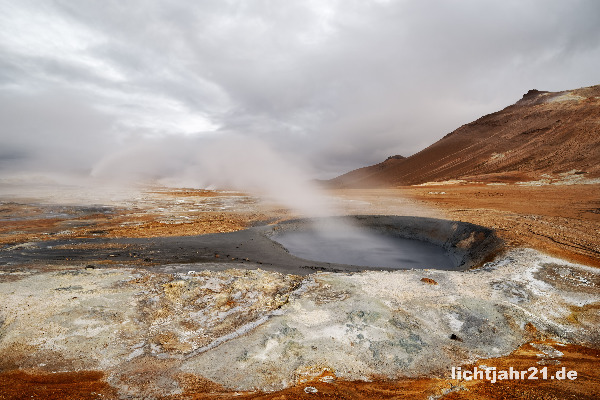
366, 248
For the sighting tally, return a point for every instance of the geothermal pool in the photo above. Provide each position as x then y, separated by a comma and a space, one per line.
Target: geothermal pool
364, 247
355, 243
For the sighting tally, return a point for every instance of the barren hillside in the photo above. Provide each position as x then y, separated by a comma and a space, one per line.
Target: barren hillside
545, 135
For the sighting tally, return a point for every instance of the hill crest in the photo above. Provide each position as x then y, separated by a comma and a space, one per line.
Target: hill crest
542, 136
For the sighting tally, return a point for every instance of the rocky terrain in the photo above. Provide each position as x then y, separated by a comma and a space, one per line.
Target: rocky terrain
548, 137
114, 330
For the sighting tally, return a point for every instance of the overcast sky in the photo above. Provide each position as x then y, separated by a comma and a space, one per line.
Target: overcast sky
104, 87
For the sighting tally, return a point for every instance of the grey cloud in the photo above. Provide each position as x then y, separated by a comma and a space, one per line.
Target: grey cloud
54, 130
328, 85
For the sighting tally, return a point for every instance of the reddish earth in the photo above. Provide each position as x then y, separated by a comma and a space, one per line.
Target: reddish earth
58, 386
543, 133
563, 221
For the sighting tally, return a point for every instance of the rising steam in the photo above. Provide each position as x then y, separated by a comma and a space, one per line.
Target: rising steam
230, 162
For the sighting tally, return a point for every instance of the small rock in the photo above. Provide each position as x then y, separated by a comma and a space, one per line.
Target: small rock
429, 280
454, 337
310, 389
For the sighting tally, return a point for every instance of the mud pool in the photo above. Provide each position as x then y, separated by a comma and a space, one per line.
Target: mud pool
387, 242
365, 248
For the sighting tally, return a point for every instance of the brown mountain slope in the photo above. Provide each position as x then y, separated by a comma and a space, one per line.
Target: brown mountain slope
543, 133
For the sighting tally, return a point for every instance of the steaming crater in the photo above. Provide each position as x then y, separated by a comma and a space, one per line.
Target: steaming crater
388, 242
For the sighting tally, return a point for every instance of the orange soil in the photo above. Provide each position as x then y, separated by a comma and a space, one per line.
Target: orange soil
58, 386
563, 221
149, 226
